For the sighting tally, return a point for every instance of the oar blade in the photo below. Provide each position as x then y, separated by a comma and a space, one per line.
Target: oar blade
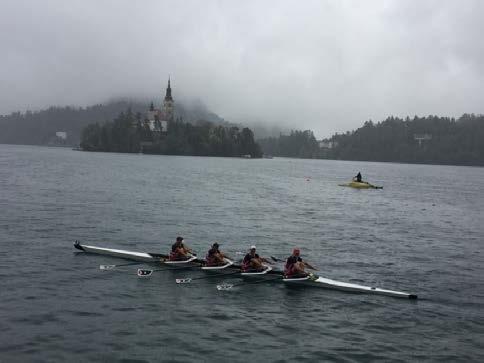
224, 287
186, 280
106, 267
144, 273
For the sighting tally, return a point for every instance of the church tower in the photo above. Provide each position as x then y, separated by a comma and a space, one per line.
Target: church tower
168, 104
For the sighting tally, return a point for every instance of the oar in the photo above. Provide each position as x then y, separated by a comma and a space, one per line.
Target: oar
224, 287
275, 259
146, 273
111, 267
187, 280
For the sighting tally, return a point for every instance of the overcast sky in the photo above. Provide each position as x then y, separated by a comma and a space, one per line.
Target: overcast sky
325, 65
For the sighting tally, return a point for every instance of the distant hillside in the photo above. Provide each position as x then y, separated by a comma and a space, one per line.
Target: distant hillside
430, 140
39, 128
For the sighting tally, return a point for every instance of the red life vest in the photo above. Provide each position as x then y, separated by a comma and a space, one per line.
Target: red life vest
246, 262
289, 268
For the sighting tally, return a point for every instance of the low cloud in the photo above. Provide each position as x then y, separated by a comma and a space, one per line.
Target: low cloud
321, 65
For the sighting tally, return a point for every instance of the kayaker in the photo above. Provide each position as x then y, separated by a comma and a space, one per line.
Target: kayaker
252, 261
179, 251
295, 265
358, 178
214, 256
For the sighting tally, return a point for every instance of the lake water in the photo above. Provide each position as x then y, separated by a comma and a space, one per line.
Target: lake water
423, 233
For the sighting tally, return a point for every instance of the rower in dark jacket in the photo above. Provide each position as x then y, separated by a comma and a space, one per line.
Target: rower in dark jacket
214, 256
253, 262
179, 251
295, 265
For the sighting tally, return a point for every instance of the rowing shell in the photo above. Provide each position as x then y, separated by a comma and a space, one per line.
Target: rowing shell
128, 255
317, 281
265, 271
158, 258
268, 272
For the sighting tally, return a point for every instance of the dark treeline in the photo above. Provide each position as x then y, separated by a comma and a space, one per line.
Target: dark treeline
298, 144
39, 127
130, 133
449, 141
445, 141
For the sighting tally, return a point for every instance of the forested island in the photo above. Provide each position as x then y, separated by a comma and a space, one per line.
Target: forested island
131, 133
432, 140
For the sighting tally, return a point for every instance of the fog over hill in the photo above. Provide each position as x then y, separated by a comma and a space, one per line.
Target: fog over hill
40, 127
323, 65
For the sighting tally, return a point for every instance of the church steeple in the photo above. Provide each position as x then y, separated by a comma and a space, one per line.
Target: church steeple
168, 104
168, 92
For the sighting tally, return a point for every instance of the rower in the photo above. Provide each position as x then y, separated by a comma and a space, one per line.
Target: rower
358, 178
179, 251
214, 256
295, 265
252, 261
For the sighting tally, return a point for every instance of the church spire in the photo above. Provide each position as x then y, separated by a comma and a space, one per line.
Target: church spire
168, 104
168, 91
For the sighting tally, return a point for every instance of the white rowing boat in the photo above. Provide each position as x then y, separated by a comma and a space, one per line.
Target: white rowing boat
267, 269
317, 281
227, 264
128, 255
231, 268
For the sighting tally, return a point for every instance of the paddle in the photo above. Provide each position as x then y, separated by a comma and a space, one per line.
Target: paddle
187, 280
111, 267
146, 273
372, 186
275, 259
224, 287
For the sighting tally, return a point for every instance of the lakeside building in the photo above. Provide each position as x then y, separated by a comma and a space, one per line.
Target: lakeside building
327, 144
61, 135
422, 137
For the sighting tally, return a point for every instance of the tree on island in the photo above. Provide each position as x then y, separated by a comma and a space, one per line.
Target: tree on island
298, 144
128, 133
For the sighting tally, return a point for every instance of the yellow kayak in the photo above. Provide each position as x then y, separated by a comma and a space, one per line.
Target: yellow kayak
360, 185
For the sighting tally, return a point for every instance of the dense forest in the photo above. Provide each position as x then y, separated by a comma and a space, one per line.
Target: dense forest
446, 141
432, 139
130, 133
298, 144
39, 128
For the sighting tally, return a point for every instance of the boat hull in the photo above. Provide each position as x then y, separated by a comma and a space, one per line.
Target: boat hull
127, 255
358, 185
155, 258
321, 282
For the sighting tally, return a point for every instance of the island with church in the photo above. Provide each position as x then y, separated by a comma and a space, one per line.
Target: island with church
161, 131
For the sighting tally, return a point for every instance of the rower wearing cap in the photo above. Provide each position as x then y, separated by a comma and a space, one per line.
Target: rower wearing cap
295, 265
214, 256
179, 251
252, 261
